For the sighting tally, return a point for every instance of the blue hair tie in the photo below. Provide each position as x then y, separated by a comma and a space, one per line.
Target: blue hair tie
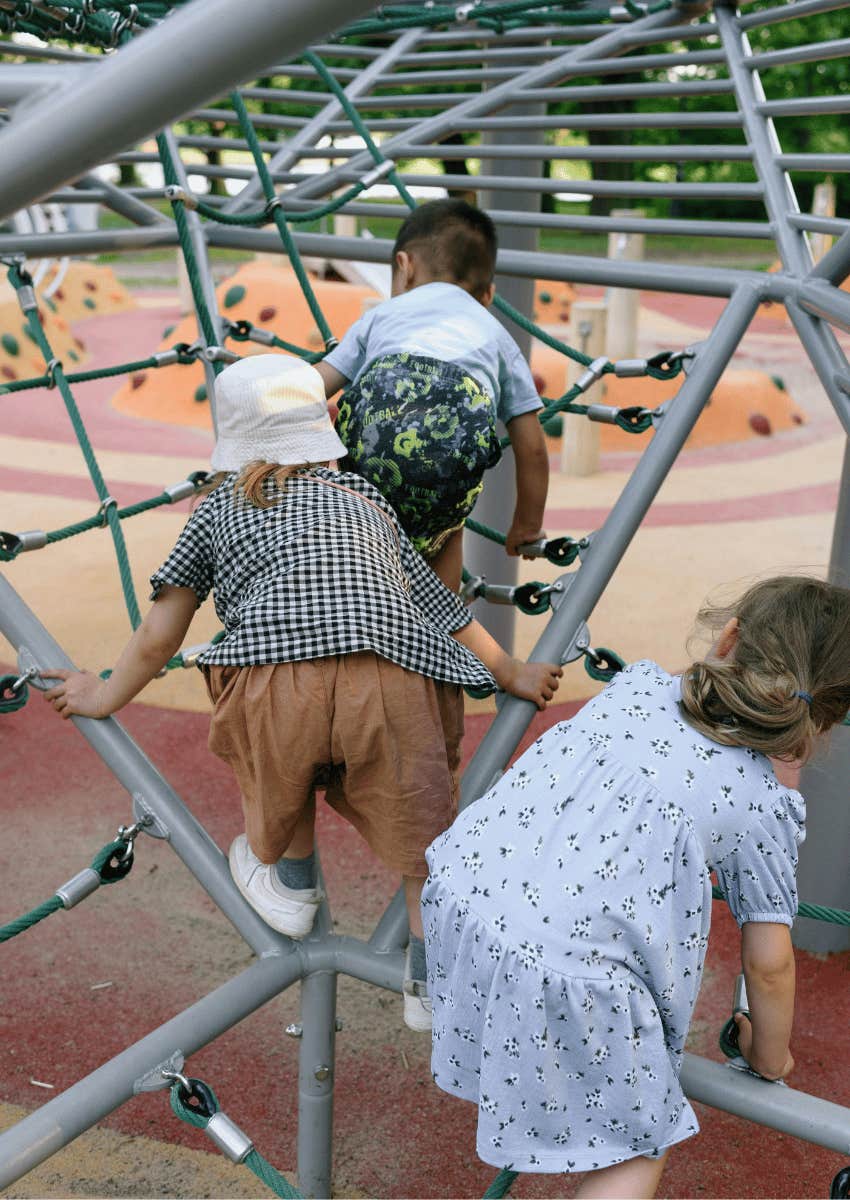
806, 696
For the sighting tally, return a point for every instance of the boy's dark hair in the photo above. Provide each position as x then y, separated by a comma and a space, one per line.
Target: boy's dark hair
456, 239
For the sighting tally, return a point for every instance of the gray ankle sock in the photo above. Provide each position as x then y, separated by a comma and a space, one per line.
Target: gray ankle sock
418, 970
297, 873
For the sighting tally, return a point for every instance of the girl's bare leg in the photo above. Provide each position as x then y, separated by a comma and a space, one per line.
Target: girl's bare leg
413, 885
447, 563
635, 1179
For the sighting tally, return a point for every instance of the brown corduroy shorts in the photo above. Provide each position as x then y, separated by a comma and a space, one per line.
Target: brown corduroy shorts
390, 737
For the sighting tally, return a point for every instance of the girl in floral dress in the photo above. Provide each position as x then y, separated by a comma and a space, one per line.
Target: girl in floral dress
567, 911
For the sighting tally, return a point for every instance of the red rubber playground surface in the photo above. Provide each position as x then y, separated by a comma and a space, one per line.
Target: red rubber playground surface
85, 984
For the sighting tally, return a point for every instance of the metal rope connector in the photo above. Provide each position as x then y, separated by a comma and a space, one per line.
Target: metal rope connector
175, 192
331, 343
593, 372
185, 488
52, 367
26, 298
219, 354
104, 507
630, 368
17, 543
272, 204
603, 413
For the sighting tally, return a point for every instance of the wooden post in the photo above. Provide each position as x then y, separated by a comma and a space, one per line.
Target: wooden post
184, 287
580, 444
621, 340
823, 205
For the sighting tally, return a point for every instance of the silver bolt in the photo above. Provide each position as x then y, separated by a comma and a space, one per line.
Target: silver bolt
293, 1031
338, 1025
322, 1073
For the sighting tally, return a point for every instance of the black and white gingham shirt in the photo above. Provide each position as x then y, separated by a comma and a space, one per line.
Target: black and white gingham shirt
321, 572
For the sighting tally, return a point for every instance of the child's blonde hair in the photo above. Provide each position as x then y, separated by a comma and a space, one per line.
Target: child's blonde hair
250, 483
786, 680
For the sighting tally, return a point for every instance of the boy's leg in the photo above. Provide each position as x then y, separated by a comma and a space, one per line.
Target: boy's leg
634, 1179
413, 885
447, 563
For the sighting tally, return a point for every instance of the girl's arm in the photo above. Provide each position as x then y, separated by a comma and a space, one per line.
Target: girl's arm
533, 681
769, 973
159, 636
332, 378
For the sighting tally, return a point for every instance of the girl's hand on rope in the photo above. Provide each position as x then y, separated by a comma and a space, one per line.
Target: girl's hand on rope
80, 694
533, 681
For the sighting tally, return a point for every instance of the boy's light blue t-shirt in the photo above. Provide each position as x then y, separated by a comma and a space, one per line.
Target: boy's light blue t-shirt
441, 320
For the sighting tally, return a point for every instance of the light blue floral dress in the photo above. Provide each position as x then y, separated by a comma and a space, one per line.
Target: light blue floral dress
567, 916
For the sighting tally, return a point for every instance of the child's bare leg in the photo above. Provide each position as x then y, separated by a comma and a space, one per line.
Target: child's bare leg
413, 885
634, 1179
447, 563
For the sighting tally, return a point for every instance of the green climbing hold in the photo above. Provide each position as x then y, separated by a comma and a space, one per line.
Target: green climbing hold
545, 297
89, 303
49, 303
169, 329
201, 393
779, 382
74, 357
233, 295
10, 344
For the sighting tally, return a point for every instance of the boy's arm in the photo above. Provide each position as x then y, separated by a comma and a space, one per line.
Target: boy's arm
333, 379
769, 974
532, 480
533, 681
159, 636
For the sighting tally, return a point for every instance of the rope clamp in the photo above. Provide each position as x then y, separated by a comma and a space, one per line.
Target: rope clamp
175, 192
595, 371
189, 656
79, 887
52, 367
105, 505
16, 543
26, 298
272, 204
219, 354
630, 368
331, 343
233, 1142
378, 172
604, 414
462, 11
184, 488
473, 588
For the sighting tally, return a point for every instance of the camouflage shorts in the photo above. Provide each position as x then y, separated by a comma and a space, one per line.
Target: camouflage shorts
423, 432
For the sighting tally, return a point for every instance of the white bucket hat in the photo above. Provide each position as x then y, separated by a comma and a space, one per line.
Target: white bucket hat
272, 408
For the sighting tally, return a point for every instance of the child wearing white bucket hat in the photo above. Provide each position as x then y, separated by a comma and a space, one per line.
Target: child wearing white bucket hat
343, 655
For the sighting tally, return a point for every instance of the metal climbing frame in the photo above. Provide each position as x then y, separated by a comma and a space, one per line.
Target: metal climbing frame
80, 111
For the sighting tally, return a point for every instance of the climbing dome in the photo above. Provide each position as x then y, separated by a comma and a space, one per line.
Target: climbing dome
379, 97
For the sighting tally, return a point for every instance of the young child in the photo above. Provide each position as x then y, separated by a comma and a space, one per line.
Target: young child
342, 652
427, 374
567, 911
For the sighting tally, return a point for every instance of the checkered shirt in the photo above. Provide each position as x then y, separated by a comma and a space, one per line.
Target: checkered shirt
327, 570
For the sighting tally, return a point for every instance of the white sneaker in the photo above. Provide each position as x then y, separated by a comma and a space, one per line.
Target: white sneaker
417, 1002
285, 909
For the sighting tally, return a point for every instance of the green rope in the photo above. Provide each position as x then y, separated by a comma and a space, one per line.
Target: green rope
501, 1185
277, 214
815, 912
199, 1118
178, 206
263, 217
106, 872
142, 364
19, 282
240, 331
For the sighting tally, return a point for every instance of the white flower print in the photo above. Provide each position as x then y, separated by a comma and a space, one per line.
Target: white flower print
531, 894
473, 862
525, 816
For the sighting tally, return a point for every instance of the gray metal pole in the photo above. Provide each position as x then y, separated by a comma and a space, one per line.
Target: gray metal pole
835, 264
316, 1075
611, 541
199, 52
783, 1108
823, 876
315, 127
495, 506
48, 1129
137, 774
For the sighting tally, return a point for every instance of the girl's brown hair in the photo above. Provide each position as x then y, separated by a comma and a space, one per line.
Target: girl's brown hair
250, 483
787, 678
